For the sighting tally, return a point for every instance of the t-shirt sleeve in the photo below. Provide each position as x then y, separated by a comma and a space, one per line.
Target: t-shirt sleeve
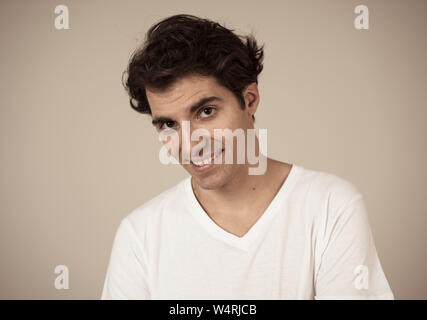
127, 269
349, 266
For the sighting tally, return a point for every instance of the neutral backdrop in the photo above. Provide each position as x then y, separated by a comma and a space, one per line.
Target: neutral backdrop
76, 159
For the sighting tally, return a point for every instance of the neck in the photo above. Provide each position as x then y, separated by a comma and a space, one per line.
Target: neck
240, 192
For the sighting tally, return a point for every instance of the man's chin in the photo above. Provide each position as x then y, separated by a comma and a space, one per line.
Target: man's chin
209, 181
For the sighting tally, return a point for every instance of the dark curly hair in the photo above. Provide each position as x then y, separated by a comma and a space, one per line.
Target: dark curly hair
184, 44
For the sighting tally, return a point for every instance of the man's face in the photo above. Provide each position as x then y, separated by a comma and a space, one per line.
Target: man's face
219, 110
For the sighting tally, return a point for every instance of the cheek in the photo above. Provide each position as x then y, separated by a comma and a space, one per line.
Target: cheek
171, 142
228, 119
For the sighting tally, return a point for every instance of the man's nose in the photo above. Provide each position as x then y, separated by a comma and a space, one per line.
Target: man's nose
193, 149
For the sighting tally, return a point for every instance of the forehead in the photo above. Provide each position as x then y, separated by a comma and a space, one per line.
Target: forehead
183, 92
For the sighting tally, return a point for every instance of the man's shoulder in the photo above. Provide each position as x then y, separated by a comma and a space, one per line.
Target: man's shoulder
327, 186
155, 205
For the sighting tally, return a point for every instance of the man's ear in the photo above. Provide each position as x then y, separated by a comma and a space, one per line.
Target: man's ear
251, 96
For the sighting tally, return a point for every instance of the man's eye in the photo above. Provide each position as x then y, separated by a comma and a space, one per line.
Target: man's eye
207, 111
168, 124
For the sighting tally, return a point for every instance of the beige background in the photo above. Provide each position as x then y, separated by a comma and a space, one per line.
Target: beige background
75, 158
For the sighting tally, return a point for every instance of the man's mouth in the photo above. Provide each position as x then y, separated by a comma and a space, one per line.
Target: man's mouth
207, 161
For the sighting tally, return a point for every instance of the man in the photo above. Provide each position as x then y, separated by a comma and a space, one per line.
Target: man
223, 233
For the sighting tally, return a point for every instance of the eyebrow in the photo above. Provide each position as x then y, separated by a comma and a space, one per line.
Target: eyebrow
192, 109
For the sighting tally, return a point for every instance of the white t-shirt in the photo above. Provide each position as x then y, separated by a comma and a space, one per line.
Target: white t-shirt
313, 242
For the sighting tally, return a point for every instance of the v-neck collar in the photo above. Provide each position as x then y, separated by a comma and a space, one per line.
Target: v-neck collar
245, 242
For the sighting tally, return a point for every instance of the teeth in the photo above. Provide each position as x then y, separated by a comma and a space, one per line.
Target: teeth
203, 162
206, 161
